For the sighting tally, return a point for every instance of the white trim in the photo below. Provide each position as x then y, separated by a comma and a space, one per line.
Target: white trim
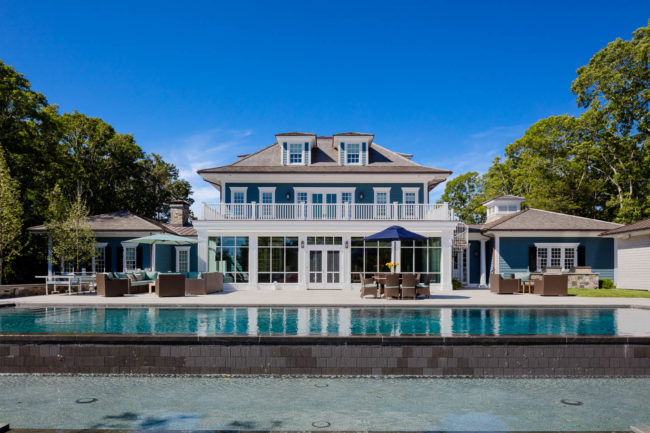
234, 189
496, 255
178, 250
323, 190
263, 189
125, 246
103, 246
483, 277
380, 189
302, 153
415, 189
557, 244
545, 234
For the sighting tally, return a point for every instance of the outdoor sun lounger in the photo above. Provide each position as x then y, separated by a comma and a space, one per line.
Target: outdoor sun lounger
502, 286
552, 285
169, 285
422, 288
408, 286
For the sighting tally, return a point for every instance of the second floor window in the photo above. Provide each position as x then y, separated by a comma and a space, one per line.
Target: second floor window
409, 198
354, 153
238, 197
295, 153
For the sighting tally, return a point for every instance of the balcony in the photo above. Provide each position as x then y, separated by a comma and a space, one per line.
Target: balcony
318, 212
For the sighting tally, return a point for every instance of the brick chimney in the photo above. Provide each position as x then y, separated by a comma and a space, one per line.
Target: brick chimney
179, 213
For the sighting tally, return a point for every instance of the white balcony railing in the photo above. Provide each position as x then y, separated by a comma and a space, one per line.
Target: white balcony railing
311, 211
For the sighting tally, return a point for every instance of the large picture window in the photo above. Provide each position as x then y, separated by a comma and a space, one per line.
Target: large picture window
369, 257
277, 259
229, 254
422, 257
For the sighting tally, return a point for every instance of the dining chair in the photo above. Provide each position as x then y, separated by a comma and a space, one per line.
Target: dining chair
391, 289
408, 286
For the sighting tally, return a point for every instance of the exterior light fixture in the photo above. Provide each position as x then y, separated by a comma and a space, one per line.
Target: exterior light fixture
346, 245
360, 196
302, 244
288, 196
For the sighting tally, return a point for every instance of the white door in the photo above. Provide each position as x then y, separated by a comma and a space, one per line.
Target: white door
324, 268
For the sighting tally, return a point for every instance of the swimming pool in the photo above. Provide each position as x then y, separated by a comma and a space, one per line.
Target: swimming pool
328, 321
308, 404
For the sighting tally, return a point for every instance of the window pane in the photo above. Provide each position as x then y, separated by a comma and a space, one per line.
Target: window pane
291, 241
242, 259
228, 241
569, 256
277, 241
357, 242
241, 241
420, 260
264, 278
291, 278
292, 260
435, 242
434, 259
357, 259
406, 263
228, 256
264, 241
556, 255
371, 260
277, 278
384, 257
277, 259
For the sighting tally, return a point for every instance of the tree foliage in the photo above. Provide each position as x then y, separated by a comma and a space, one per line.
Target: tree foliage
10, 216
72, 238
78, 153
464, 194
595, 165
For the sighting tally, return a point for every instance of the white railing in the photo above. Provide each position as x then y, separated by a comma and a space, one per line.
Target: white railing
323, 211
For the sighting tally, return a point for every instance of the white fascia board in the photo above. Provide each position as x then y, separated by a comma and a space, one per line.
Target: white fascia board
544, 234
128, 235
629, 235
270, 178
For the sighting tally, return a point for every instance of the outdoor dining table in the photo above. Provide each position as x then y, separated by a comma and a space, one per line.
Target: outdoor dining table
527, 283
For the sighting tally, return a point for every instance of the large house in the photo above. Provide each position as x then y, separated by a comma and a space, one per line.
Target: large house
293, 215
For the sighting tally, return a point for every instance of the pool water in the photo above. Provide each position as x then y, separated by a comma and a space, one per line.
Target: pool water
255, 403
328, 321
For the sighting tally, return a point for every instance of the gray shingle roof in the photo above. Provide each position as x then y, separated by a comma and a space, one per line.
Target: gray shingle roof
543, 220
324, 159
637, 226
125, 221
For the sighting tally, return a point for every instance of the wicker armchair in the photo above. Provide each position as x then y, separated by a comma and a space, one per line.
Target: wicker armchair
552, 285
408, 285
391, 290
368, 287
502, 286
209, 282
422, 287
112, 287
168, 285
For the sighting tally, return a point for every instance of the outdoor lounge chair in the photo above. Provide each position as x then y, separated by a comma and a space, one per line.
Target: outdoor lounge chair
391, 290
422, 288
502, 286
110, 287
168, 285
203, 283
552, 285
368, 287
408, 286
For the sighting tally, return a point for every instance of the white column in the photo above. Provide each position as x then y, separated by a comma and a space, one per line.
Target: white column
468, 281
252, 263
49, 256
461, 266
615, 260
496, 256
202, 251
446, 264
483, 281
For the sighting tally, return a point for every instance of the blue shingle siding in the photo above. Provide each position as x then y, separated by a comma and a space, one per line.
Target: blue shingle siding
307, 153
599, 253
284, 153
364, 154
252, 194
165, 255
342, 154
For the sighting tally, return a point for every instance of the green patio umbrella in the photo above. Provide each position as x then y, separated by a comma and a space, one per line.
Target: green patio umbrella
162, 239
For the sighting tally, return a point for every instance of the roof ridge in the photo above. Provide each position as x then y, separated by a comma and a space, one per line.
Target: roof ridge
576, 216
488, 226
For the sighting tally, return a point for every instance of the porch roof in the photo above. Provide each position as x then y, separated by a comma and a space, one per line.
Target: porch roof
642, 225
542, 220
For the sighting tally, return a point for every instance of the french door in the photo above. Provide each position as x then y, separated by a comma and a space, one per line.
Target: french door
325, 268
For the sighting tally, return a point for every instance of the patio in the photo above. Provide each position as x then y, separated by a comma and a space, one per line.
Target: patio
466, 297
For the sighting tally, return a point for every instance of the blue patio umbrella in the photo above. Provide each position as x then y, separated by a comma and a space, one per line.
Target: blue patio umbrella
395, 233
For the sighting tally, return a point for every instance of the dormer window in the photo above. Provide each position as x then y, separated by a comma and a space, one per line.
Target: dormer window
295, 153
354, 154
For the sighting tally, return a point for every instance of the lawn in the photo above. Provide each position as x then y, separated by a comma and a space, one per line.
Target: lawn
609, 293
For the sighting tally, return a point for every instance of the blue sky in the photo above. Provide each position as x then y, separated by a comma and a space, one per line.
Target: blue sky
200, 82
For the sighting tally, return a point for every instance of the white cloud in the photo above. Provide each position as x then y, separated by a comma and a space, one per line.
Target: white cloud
482, 147
205, 149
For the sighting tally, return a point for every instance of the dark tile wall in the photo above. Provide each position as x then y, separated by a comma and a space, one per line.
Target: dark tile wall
473, 360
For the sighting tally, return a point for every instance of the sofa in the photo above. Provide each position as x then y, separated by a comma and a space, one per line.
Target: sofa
202, 283
170, 285
138, 280
110, 287
504, 286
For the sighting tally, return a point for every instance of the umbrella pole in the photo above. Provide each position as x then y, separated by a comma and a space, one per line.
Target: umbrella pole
151, 256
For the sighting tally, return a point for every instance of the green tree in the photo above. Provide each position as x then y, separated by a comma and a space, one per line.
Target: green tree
72, 238
11, 212
465, 194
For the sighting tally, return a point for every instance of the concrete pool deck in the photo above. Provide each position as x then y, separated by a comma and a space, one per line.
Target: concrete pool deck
327, 298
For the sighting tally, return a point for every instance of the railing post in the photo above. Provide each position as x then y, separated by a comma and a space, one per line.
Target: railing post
254, 210
347, 210
395, 215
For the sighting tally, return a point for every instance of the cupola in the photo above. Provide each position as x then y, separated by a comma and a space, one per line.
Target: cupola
501, 206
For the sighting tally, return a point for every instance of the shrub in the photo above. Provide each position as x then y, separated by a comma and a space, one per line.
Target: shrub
456, 284
606, 283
